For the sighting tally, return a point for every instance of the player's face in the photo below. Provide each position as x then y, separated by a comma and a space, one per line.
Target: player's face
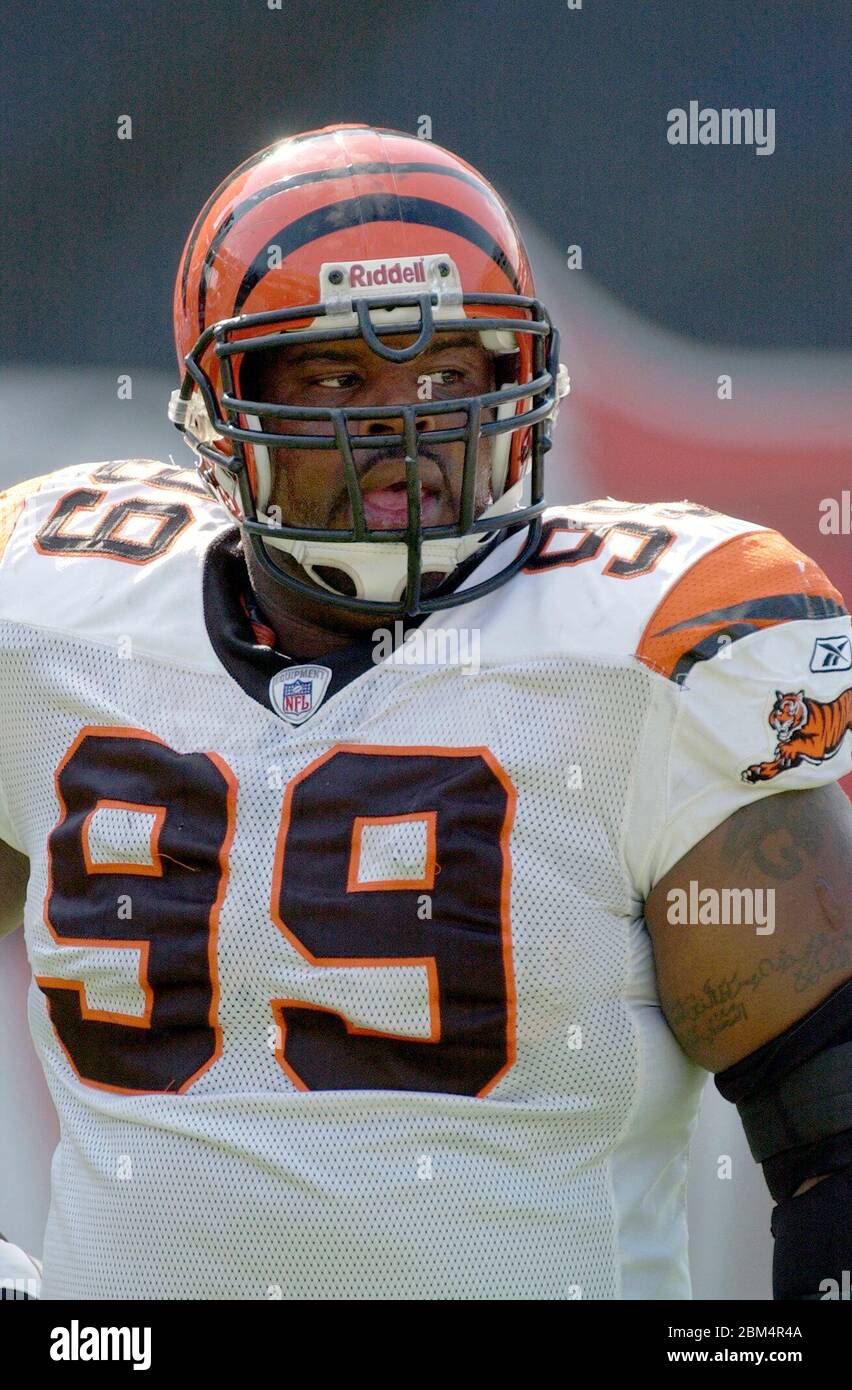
308, 485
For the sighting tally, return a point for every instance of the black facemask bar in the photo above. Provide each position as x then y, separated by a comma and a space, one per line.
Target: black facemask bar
542, 390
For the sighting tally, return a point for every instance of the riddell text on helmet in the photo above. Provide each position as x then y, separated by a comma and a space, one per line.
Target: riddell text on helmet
386, 273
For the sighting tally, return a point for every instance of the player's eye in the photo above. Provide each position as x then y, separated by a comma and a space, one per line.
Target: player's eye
343, 381
450, 376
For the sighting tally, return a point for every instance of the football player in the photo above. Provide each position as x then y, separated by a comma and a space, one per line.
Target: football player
402, 855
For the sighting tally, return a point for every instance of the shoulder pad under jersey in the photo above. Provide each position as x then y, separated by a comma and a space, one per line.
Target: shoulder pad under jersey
748, 642
111, 551
666, 584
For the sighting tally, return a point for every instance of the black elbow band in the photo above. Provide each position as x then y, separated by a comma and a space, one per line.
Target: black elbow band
813, 1241
794, 1096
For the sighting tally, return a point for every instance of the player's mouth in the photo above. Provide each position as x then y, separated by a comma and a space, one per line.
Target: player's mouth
385, 495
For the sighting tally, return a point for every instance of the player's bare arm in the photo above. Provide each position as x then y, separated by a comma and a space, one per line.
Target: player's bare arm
725, 990
768, 1008
14, 872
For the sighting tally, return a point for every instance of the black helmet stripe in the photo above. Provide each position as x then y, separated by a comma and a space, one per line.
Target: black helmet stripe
320, 176
200, 219
373, 208
298, 179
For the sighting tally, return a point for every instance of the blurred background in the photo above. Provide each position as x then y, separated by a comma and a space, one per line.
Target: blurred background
695, 263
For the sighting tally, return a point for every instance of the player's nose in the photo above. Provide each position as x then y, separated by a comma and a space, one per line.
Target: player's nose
391, 424
394, 423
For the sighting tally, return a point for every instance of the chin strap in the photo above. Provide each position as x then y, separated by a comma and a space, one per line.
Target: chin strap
379, 570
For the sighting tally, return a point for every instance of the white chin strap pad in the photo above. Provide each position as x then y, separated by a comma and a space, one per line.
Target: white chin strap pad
379, 570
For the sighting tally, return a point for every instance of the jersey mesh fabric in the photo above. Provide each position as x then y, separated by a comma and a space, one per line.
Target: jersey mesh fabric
565, 1180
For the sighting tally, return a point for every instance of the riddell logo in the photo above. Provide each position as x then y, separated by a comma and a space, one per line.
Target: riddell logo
386, 273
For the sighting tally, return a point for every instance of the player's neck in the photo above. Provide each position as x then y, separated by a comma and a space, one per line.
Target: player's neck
303, 630
301, 639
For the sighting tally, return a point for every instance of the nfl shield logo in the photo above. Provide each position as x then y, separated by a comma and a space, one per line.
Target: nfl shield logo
296, 696
298, 692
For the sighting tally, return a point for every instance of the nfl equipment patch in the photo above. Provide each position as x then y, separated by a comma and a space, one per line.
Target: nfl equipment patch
298, 692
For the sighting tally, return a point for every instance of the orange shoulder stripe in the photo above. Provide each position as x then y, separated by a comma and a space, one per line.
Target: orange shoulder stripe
749, 582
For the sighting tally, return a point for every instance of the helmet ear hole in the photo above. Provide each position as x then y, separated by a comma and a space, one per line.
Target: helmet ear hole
248, 373
505, 369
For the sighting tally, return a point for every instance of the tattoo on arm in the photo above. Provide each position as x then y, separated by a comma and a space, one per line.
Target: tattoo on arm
697, 1018
780, 836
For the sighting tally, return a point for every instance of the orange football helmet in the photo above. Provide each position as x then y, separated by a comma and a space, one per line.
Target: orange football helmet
347, 232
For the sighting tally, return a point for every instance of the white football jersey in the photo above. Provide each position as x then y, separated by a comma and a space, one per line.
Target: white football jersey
341, 983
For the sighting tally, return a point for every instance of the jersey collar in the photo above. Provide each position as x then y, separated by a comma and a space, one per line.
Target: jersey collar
243, 640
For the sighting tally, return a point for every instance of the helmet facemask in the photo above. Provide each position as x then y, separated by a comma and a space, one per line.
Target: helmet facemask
363, 568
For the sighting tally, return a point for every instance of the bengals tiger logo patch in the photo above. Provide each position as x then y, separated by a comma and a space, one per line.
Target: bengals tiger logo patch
807, 731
